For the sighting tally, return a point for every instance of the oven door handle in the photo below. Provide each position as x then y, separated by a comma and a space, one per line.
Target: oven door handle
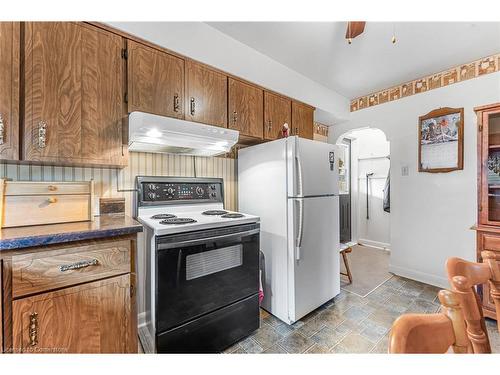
165, 246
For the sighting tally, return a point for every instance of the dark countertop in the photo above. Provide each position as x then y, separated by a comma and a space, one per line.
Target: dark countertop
38, 235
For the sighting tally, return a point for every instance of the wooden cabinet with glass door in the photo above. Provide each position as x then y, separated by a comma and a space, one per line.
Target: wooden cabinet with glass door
488, 228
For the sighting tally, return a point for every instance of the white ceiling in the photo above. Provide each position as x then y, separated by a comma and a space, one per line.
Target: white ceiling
319, 51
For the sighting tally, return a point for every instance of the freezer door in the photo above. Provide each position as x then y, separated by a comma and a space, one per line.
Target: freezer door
314, 271
312, 168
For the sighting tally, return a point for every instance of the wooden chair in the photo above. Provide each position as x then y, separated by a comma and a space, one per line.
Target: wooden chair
344, 250
431, 333
464, 276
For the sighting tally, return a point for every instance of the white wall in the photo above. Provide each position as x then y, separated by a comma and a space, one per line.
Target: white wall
431, 214
369, 150
204, 43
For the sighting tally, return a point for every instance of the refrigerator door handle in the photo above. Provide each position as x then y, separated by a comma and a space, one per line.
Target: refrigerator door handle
298, 243
299, 174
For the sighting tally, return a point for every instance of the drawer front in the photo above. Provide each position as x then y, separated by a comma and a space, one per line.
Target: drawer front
491, 242
48, 188
42, 209
39, 272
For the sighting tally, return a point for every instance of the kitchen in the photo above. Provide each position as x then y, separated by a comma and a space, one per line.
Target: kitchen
195, 207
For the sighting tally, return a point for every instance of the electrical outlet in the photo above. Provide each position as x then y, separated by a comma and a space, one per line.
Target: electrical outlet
405, 170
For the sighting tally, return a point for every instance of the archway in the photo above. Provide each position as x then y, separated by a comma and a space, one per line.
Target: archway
365, 155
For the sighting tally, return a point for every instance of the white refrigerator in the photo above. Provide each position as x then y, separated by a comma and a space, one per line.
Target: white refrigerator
292, 185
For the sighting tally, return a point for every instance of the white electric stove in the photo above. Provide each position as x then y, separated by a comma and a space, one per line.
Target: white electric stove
202, 266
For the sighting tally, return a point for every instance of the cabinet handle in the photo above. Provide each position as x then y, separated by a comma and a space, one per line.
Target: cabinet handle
33, 329
78, 265
42, 134
52, 200
192, 106
52, 188
270, 126
296, 131
177, 105
2, 130
235, 116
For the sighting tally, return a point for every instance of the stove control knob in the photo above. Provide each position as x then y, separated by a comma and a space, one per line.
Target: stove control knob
170, 190
213, 195
212, 187
199, 190
152, 195
152, 187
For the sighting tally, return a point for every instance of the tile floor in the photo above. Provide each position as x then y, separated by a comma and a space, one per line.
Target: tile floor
349, 323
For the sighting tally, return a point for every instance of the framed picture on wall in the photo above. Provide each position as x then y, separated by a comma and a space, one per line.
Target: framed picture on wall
441, 140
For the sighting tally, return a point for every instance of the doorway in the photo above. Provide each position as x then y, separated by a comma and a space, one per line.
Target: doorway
366, 225
345, 191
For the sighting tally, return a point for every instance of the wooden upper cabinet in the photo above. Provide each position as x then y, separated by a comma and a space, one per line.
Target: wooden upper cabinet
88, 318
74, 94
246, 108
9, 90
277, 111
206, 95
155, 81
302, 120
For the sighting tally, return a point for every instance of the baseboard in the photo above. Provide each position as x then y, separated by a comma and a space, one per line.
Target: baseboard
438, 281
141, 320
378, 245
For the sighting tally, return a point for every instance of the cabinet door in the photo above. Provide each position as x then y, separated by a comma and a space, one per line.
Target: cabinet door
302, 120
489, 242
155, 81
246, 108
206, 95
9, 90
489, 152
74, 90
90, 318
277, 111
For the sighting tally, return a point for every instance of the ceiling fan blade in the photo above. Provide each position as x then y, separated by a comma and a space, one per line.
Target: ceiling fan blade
354, 28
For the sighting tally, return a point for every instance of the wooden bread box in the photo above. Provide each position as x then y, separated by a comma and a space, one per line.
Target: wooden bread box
34, 203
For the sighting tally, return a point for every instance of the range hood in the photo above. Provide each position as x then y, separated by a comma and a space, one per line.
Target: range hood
159, 134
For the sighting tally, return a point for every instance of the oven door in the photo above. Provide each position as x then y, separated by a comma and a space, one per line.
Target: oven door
199, 272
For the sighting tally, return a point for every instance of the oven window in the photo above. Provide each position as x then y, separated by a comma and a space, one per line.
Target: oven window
213, 261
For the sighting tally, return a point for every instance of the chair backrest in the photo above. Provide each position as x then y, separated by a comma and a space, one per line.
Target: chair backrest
431, 333
464, 276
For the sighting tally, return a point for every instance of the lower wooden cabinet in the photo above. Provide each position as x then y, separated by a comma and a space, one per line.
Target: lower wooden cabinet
487, 241
302, 120
89, 318
70, 298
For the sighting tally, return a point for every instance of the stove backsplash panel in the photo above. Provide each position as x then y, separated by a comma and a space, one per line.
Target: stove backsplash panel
107, 181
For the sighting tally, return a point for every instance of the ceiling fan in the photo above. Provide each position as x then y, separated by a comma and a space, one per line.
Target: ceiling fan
354, 28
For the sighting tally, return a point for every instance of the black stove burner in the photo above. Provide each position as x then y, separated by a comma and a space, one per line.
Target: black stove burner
232, 216
178, 220
214, 212
163, 216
